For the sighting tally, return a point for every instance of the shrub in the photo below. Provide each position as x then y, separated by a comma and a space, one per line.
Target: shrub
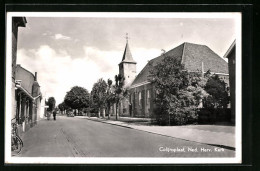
213, 115
161, 117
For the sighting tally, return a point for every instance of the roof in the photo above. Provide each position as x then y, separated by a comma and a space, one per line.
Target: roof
27, 79
230, 49
192, 56
127, 56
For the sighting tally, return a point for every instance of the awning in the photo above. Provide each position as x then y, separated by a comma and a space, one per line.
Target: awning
27, 93
24, 91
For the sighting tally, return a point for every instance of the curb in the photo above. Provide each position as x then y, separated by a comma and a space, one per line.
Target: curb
103, 121
216, 145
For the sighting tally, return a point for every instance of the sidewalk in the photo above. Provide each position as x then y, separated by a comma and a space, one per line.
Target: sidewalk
223, 136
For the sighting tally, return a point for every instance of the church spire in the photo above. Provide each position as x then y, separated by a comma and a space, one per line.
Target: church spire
127, 67
127, 56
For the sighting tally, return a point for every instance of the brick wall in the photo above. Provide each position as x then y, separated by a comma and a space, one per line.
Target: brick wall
140, 105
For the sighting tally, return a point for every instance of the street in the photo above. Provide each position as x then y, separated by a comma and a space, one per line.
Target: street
79, 137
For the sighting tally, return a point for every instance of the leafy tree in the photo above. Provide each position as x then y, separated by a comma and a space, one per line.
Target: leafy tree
218, 93
99, 93
110, 97
119, 91
62, 106
77, 98
51, 103
178, 92
92, 106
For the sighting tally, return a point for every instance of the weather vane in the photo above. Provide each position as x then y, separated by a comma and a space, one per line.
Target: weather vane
126, 36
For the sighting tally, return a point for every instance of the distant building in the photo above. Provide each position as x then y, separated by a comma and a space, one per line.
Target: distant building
231, 55
195, 57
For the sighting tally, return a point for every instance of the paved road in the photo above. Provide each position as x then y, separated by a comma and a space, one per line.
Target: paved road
77, 137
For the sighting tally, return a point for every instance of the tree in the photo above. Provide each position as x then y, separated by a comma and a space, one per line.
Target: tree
109, 98
218, 93
62, 106
51, 103
178, 92
99, 93
119, 91
92, 106
77, 98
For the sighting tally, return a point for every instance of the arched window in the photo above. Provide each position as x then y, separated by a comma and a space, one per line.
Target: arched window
148, 99
140, 99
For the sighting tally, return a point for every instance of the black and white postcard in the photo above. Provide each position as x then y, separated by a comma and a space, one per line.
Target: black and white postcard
123, 88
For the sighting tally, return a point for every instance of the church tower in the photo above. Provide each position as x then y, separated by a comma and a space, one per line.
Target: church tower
127, 67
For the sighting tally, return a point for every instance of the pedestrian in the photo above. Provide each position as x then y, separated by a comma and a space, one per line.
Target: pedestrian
54, 114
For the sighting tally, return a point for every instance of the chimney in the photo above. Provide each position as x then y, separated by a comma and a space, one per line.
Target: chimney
35, 77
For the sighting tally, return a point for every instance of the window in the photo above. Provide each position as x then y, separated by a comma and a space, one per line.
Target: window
132, 99
140, 99
148, 99
135, 99
124, 104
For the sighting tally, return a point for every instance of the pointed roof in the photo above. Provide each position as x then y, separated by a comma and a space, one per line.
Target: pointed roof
192, 56
230, 49
127, 56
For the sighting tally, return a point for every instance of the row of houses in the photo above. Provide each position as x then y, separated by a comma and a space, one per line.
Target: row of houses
27, 103
194, 57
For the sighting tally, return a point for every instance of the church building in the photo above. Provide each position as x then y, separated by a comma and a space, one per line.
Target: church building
195, 57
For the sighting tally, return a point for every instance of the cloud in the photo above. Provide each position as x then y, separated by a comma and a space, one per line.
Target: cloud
142, 56
52, 68
105, 60
61, 37
46, 33
58, 72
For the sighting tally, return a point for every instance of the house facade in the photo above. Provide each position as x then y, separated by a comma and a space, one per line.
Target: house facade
26, 94
28, 98
194, 57
16, 23
231, 55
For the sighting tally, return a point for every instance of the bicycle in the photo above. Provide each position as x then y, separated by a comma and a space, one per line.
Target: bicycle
16, 141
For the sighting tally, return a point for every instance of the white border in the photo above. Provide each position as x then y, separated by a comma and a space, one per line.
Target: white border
135, 160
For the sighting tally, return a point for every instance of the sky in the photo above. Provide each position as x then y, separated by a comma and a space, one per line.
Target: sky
77, 51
